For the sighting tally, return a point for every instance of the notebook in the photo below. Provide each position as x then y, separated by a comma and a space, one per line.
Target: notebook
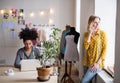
29, 64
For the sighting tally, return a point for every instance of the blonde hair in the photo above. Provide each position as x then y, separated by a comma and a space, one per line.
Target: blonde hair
91, 19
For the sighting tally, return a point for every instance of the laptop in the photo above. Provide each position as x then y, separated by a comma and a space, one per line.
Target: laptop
30, 64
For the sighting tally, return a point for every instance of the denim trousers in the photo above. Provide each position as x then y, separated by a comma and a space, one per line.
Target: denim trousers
89, 75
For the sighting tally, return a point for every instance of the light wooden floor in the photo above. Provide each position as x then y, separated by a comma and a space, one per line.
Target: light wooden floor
74, 73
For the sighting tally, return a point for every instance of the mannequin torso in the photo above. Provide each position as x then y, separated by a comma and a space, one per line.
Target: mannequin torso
73, 32
71, 52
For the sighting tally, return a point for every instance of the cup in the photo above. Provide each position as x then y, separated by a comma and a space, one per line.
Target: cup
9, 72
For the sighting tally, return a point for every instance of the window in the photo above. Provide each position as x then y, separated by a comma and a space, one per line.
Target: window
106, 10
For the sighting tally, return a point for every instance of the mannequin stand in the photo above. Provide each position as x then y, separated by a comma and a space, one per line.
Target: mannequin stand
65, 74
69, 80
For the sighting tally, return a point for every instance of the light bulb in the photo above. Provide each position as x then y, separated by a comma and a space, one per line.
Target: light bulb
31, 14
2, 11
42, 13
10, 11
51, 11
21, 14
50, 21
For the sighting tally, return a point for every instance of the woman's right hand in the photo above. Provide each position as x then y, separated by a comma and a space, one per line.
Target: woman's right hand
91, 28
95, 67
90, 32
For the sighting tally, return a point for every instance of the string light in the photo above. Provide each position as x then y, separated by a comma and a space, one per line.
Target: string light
21, 14
51, 11
2, 11
42, 13
50, 21
32, 14
10, 11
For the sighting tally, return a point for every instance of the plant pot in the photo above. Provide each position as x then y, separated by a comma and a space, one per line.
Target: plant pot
43, 73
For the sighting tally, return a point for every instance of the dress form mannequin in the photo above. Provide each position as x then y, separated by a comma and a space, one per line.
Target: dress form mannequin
71, 52
62, 51
62, 42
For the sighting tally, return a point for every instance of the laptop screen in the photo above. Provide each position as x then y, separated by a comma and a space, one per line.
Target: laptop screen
29, 64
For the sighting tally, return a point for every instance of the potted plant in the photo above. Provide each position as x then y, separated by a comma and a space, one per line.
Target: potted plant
51, 50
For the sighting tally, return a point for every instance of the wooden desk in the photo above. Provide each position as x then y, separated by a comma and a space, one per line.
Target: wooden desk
22, 77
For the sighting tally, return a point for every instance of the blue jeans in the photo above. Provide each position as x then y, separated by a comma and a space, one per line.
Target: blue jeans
89, 75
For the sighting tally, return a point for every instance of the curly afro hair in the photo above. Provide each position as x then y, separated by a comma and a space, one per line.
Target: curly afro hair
28, 34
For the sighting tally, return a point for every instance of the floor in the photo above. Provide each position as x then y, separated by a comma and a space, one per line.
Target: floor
74, 73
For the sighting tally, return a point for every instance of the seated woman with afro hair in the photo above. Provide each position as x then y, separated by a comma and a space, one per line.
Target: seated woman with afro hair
28, 51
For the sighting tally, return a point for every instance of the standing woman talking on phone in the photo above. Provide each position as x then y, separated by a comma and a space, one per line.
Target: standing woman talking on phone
95, 44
